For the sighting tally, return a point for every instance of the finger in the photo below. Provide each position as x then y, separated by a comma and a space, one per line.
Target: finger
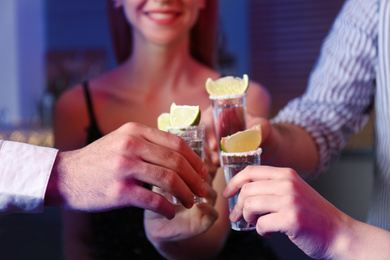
211, 196
211, 214
173, 161
269, 224
141, 197
177, 144
257, 189
164, 193
180, 163
250, 208
165, 179
236, 183
253, 120
257, 206
254, 123
258, 173
210, 178
161, 139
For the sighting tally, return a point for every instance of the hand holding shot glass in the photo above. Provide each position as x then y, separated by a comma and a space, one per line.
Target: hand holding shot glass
183, 121
239, 151
194, 137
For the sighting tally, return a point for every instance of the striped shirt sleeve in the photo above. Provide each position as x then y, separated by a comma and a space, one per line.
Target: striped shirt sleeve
341, 87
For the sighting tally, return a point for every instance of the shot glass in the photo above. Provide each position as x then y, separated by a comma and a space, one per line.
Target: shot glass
194, 137
229, 114
232, 164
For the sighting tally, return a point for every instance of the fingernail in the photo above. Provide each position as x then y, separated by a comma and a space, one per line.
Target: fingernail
233, 216
190, 203
204, 172
203, 190
225, 191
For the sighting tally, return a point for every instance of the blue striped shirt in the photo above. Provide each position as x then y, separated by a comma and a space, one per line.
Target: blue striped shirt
352, 71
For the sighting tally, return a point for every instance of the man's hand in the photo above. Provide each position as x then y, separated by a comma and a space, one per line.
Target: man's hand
110, 172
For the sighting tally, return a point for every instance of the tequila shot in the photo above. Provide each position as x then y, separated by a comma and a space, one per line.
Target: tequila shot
194, 137
232, 164
229, 114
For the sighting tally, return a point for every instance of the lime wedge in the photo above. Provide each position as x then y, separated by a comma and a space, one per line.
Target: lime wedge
163, 121
243, 141
184, 115
172, 107
227, 85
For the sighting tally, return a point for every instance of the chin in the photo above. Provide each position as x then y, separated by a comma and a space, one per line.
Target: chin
166, 38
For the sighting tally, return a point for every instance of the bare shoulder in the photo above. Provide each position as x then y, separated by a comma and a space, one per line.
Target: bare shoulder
71, 99
70, 119
258, 100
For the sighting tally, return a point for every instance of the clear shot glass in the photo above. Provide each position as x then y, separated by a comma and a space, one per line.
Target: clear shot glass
232, 164
229, 114
194, 137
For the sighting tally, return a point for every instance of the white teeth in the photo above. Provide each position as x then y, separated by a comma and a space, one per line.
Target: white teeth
161, 15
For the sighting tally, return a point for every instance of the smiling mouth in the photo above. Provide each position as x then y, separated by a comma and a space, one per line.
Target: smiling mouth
162, 16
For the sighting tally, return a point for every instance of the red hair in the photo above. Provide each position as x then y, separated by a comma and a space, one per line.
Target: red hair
203, 41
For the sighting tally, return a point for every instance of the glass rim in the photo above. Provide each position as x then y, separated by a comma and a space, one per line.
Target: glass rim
258, 151
185, 127
233, 96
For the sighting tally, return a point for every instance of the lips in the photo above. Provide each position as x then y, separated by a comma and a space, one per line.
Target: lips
163, 17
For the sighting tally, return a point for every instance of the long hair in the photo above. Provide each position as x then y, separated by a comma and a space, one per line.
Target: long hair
203, 38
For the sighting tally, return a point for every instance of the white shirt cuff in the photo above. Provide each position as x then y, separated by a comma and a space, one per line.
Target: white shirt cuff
24, 174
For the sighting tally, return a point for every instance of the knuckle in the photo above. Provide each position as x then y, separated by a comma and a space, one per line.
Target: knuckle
178, 161
294, 216
130, 144
288, 186
129, 127
250, 168
244, 190
260, 227
291, 201
156, 202
178, 143
289, 173
250, 204
120, 163
293, 219
169, 178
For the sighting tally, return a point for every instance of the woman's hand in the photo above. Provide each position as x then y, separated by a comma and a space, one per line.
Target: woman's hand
186, 224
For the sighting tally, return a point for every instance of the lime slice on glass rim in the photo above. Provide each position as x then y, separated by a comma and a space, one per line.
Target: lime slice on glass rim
242, 141
163, 121
228, 85
184, 115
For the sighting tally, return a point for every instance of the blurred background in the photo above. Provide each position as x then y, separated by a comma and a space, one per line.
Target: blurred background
47, 46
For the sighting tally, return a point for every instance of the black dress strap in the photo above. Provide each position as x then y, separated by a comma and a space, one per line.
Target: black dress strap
93, 131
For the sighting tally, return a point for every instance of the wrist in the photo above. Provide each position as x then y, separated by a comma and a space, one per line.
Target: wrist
295, 148
53, 195
346, 244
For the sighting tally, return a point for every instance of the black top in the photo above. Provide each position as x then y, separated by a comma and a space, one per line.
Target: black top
117, 234
120, 234
93, 131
